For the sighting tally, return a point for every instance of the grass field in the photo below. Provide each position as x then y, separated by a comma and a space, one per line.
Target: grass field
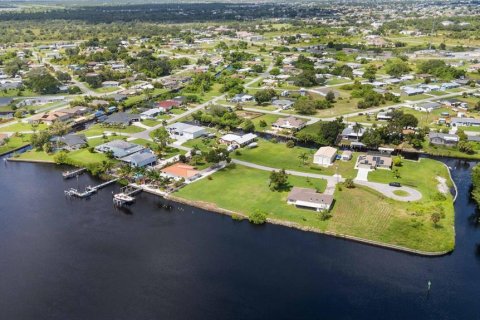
14, 143
232, 188
278, 155
21, 127
98, 130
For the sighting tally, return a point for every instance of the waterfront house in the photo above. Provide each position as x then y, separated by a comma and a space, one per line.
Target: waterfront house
122, 118
443, 139
119, 148
374, 161
350, 134
140, 159
325, 156
70, 142
236, 140
181, 170
309, 198
289, 123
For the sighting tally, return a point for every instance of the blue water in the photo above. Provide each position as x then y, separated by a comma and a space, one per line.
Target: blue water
83, 259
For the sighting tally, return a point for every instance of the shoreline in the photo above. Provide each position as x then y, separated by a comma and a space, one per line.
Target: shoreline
211, 207
14, 150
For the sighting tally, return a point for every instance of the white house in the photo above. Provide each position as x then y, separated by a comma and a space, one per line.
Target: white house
325, 156
186, 131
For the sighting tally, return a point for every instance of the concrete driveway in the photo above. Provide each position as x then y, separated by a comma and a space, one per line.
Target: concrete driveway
386, 190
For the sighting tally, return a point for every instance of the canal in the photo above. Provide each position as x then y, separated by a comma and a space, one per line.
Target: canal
64, 258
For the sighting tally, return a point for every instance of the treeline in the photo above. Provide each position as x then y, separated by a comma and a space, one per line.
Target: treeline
476, 184
169, 12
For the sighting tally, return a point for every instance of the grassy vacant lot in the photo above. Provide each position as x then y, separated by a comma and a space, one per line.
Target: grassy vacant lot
277, 155
21, 127
98, 130
245, 190
268, 118
451, 151
362, 212
14, 143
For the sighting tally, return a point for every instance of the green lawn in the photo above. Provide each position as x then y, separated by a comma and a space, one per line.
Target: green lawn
150, 122
15, 143
80, 158
470, 128
98, 130
268, 118
232, 188
364, 213
20, 127
278, 155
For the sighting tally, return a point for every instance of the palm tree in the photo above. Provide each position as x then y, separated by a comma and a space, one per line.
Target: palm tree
124, 171
304, 157
357, 128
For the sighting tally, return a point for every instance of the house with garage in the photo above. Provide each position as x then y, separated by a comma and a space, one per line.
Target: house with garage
289, 123
373, 160
185, 131
351, 134
167, 105
325, 156
309, 198
241, 97
70, 142
443, 139
237, 140
122, 119
181, 171
427, 106
464, 122
119, 148
283, 104
141, 159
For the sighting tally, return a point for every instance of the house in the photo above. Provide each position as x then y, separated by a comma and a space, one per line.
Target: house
350, 134
289, 123
119, 148
454, 103
464, 122
122, 118
411, 91
151, 113
110, 84
346, 155
309, 198
49, 118
427, 106
186, 131
236, 140
70, 142
180, 170
384, 116
283, 104
140, 159
242, 97
443, 139
374, 160
325, 156
167, 105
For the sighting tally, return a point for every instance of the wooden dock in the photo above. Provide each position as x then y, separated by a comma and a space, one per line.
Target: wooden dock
72, 192
73, 173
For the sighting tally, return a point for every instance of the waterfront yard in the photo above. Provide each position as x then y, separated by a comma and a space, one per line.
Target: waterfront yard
246, 190
23, 127
98, 130
278, 155
15, 143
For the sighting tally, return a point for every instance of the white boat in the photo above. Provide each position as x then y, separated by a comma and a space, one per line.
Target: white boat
122, 198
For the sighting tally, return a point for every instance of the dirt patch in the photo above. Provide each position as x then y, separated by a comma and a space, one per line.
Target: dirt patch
442, 185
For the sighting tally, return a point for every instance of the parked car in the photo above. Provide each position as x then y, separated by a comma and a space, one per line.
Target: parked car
394, 184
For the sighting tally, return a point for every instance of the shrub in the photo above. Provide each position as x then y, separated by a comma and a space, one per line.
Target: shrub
290, 144
349, 183
257, 217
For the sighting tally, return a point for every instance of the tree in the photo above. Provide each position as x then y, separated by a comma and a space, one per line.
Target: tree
330, 96
349, 183
305, 105
248, 126
263, 96
63, 76
370, 73
161, 136
304, 157
435, 217
275, 71
41, 81
278, 180
397, 67
357, 128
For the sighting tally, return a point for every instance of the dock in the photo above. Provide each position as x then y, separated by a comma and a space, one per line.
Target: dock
125, 197
73, 173
72, 192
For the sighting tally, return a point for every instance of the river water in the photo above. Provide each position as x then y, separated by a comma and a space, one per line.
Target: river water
82, 259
